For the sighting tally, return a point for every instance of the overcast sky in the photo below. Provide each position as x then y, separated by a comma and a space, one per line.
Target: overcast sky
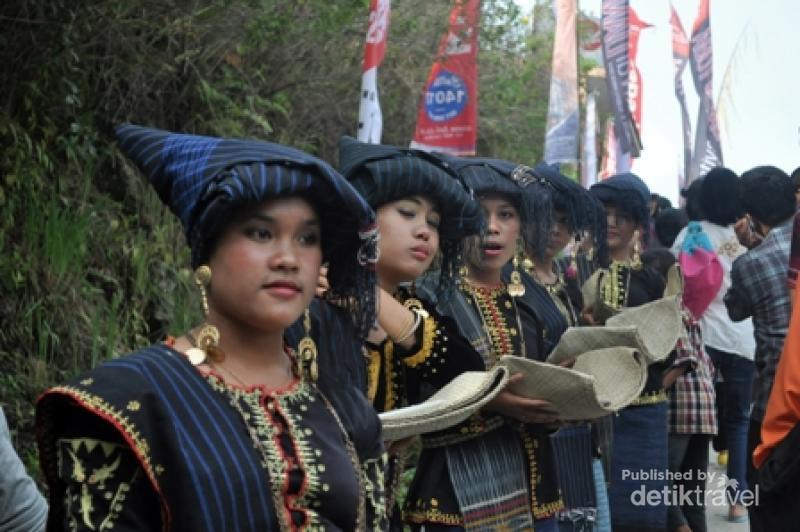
756, 58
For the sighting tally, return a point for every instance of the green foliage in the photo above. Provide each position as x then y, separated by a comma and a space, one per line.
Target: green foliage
91, 264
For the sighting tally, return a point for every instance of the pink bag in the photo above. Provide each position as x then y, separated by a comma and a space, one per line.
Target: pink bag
702, 279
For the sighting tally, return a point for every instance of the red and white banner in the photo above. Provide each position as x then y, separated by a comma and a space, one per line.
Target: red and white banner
447, 119
370, 119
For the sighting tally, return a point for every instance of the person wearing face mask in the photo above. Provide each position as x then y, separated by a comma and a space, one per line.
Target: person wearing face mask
225, 427
495, 469
423, 214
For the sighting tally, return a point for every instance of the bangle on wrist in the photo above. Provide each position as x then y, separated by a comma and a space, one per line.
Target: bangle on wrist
410, 329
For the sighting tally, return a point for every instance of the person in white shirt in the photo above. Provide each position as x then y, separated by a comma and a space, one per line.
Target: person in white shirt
730, 344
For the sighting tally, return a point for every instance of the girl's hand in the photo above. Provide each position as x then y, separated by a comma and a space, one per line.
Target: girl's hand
522, 408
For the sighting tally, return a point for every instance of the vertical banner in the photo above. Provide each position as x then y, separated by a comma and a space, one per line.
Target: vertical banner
614, 24
589, 165
370, 120
635, 86
561, 139
608, 167
707, 146
447, 119
680, 58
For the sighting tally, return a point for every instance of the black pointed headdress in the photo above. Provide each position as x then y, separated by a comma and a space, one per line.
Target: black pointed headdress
583, 211
206, 180
383, 173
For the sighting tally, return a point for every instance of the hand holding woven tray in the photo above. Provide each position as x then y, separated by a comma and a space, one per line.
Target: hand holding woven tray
459, 399
602, 381
652, 329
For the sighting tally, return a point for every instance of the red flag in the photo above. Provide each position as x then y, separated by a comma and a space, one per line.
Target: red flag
447, 119
370, 120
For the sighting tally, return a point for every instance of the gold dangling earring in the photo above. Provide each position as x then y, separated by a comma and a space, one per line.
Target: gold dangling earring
206, 346
307, 348
636, 262
515, 286
527, 264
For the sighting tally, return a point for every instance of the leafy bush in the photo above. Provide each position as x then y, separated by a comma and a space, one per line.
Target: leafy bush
91, 264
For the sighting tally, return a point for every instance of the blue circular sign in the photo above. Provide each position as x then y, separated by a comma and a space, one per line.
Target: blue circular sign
446, 97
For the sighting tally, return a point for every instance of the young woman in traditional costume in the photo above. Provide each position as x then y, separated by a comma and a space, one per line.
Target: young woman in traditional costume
639, 430
496, 469
573, 215
552, 288
224, 428
423, 213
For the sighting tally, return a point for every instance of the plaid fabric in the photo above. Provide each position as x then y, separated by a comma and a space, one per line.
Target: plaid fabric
759, 289
691, 400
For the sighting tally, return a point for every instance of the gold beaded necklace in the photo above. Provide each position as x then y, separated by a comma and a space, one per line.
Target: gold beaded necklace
481, 297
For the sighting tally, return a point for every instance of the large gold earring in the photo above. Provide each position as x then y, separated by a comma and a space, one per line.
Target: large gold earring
636, 262
206, 345
527, 264
308, 351
515, 286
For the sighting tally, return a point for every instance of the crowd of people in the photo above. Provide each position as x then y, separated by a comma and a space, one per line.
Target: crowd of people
332, 295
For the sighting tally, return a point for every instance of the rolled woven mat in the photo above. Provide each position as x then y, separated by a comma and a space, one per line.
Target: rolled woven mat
602, 381
579, 340
652, 329
459, 399
659, 323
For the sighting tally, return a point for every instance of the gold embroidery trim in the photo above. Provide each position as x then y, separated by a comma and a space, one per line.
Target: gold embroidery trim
373, 374
432, 515
428, 333
539, 511
98, 405
650, 398
388, 355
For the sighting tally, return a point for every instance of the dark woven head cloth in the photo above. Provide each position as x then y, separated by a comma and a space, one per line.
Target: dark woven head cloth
205, 181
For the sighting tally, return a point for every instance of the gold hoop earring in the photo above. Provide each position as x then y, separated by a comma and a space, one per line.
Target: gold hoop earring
206, 344
515, 287
636, 262
308, 351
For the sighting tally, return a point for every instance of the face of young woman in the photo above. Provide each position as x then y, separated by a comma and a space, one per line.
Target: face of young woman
266, 265
499, 244
409, 238
559, 234
621, 227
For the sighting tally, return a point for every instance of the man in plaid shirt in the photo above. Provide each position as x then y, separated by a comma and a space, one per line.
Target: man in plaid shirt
759, 287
